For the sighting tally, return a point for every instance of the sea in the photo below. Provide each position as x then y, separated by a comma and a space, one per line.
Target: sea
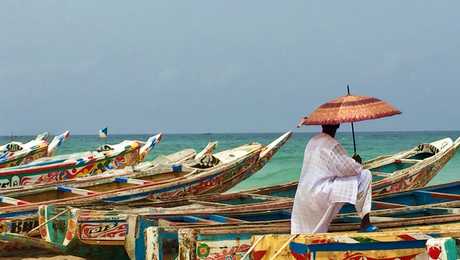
286, 164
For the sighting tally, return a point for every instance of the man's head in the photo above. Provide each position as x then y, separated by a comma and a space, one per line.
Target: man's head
330, 129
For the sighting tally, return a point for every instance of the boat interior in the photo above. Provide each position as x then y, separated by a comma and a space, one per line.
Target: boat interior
392, 165
161, 176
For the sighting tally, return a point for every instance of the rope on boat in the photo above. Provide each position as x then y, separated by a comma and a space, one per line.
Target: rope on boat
283, 247
46, 222
252, 247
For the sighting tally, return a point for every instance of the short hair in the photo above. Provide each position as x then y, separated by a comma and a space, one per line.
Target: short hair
328, 128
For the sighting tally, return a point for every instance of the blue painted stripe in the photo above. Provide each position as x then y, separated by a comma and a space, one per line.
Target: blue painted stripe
121, 180
218, 218
18, 214
303, 248
187, 219
63, 189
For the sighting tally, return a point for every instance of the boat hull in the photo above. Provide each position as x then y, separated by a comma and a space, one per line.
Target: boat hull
34, 155
66, 171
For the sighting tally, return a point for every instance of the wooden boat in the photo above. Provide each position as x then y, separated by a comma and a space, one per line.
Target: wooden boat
160, 164
205, 243
17, 153
77, 229
114, 233
403, 243
16, 246
24, 225
406, 170
69, 166
228, 168
284, 190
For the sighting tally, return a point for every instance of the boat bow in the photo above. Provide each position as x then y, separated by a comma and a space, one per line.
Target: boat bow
274, 146
148, 146
57, 141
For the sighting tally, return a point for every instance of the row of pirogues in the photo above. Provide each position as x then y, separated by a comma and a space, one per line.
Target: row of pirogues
33, 163
149, 214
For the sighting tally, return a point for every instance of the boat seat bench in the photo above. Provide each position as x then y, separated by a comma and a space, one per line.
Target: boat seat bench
131, 181
13, 201
380, 174
409, 160
208, 203
77, 191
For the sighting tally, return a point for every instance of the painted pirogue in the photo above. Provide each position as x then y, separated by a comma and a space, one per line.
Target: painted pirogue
228, 219
406, 170
70, 166
217, 209
394, 244
216, 173
17, 153
198, 212
408, 243
438, 158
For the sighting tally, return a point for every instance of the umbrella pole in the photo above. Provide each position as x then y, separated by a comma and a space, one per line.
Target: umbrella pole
352, 127
353, 133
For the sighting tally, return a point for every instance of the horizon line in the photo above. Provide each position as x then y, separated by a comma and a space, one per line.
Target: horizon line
268, 132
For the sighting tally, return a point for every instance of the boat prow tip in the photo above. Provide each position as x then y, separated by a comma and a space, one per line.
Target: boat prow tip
43, 136
274, 146
56, 142
149, 144
457, 143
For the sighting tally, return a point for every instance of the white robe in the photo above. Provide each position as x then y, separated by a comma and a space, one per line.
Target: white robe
329, 179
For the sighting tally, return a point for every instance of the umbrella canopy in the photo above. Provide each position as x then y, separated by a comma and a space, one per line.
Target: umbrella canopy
348, 109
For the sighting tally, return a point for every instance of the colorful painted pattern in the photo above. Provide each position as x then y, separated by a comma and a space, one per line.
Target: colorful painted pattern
59, 170
382, 246
416, 179
441, 249
103, 231
16, 153
19, 226
99, 228
33, 150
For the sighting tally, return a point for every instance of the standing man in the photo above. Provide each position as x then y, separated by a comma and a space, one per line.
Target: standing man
329, 179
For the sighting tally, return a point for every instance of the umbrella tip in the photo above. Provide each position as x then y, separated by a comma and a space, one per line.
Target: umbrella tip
302, 121
348, 89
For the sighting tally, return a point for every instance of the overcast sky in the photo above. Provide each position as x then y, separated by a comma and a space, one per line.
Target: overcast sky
223, 66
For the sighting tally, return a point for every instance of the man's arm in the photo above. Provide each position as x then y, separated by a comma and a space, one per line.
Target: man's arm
344, 164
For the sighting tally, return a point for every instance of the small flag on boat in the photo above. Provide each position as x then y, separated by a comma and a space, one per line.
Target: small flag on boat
103, 133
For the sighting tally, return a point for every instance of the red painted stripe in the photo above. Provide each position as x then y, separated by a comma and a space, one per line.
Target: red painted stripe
333, 121
258, 255
363, 101
406, 237
22, 202
300, 256
35, 169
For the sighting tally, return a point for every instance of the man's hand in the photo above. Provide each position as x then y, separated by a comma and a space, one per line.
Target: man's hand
357, 158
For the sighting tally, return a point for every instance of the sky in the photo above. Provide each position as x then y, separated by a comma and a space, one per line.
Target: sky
223, 66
